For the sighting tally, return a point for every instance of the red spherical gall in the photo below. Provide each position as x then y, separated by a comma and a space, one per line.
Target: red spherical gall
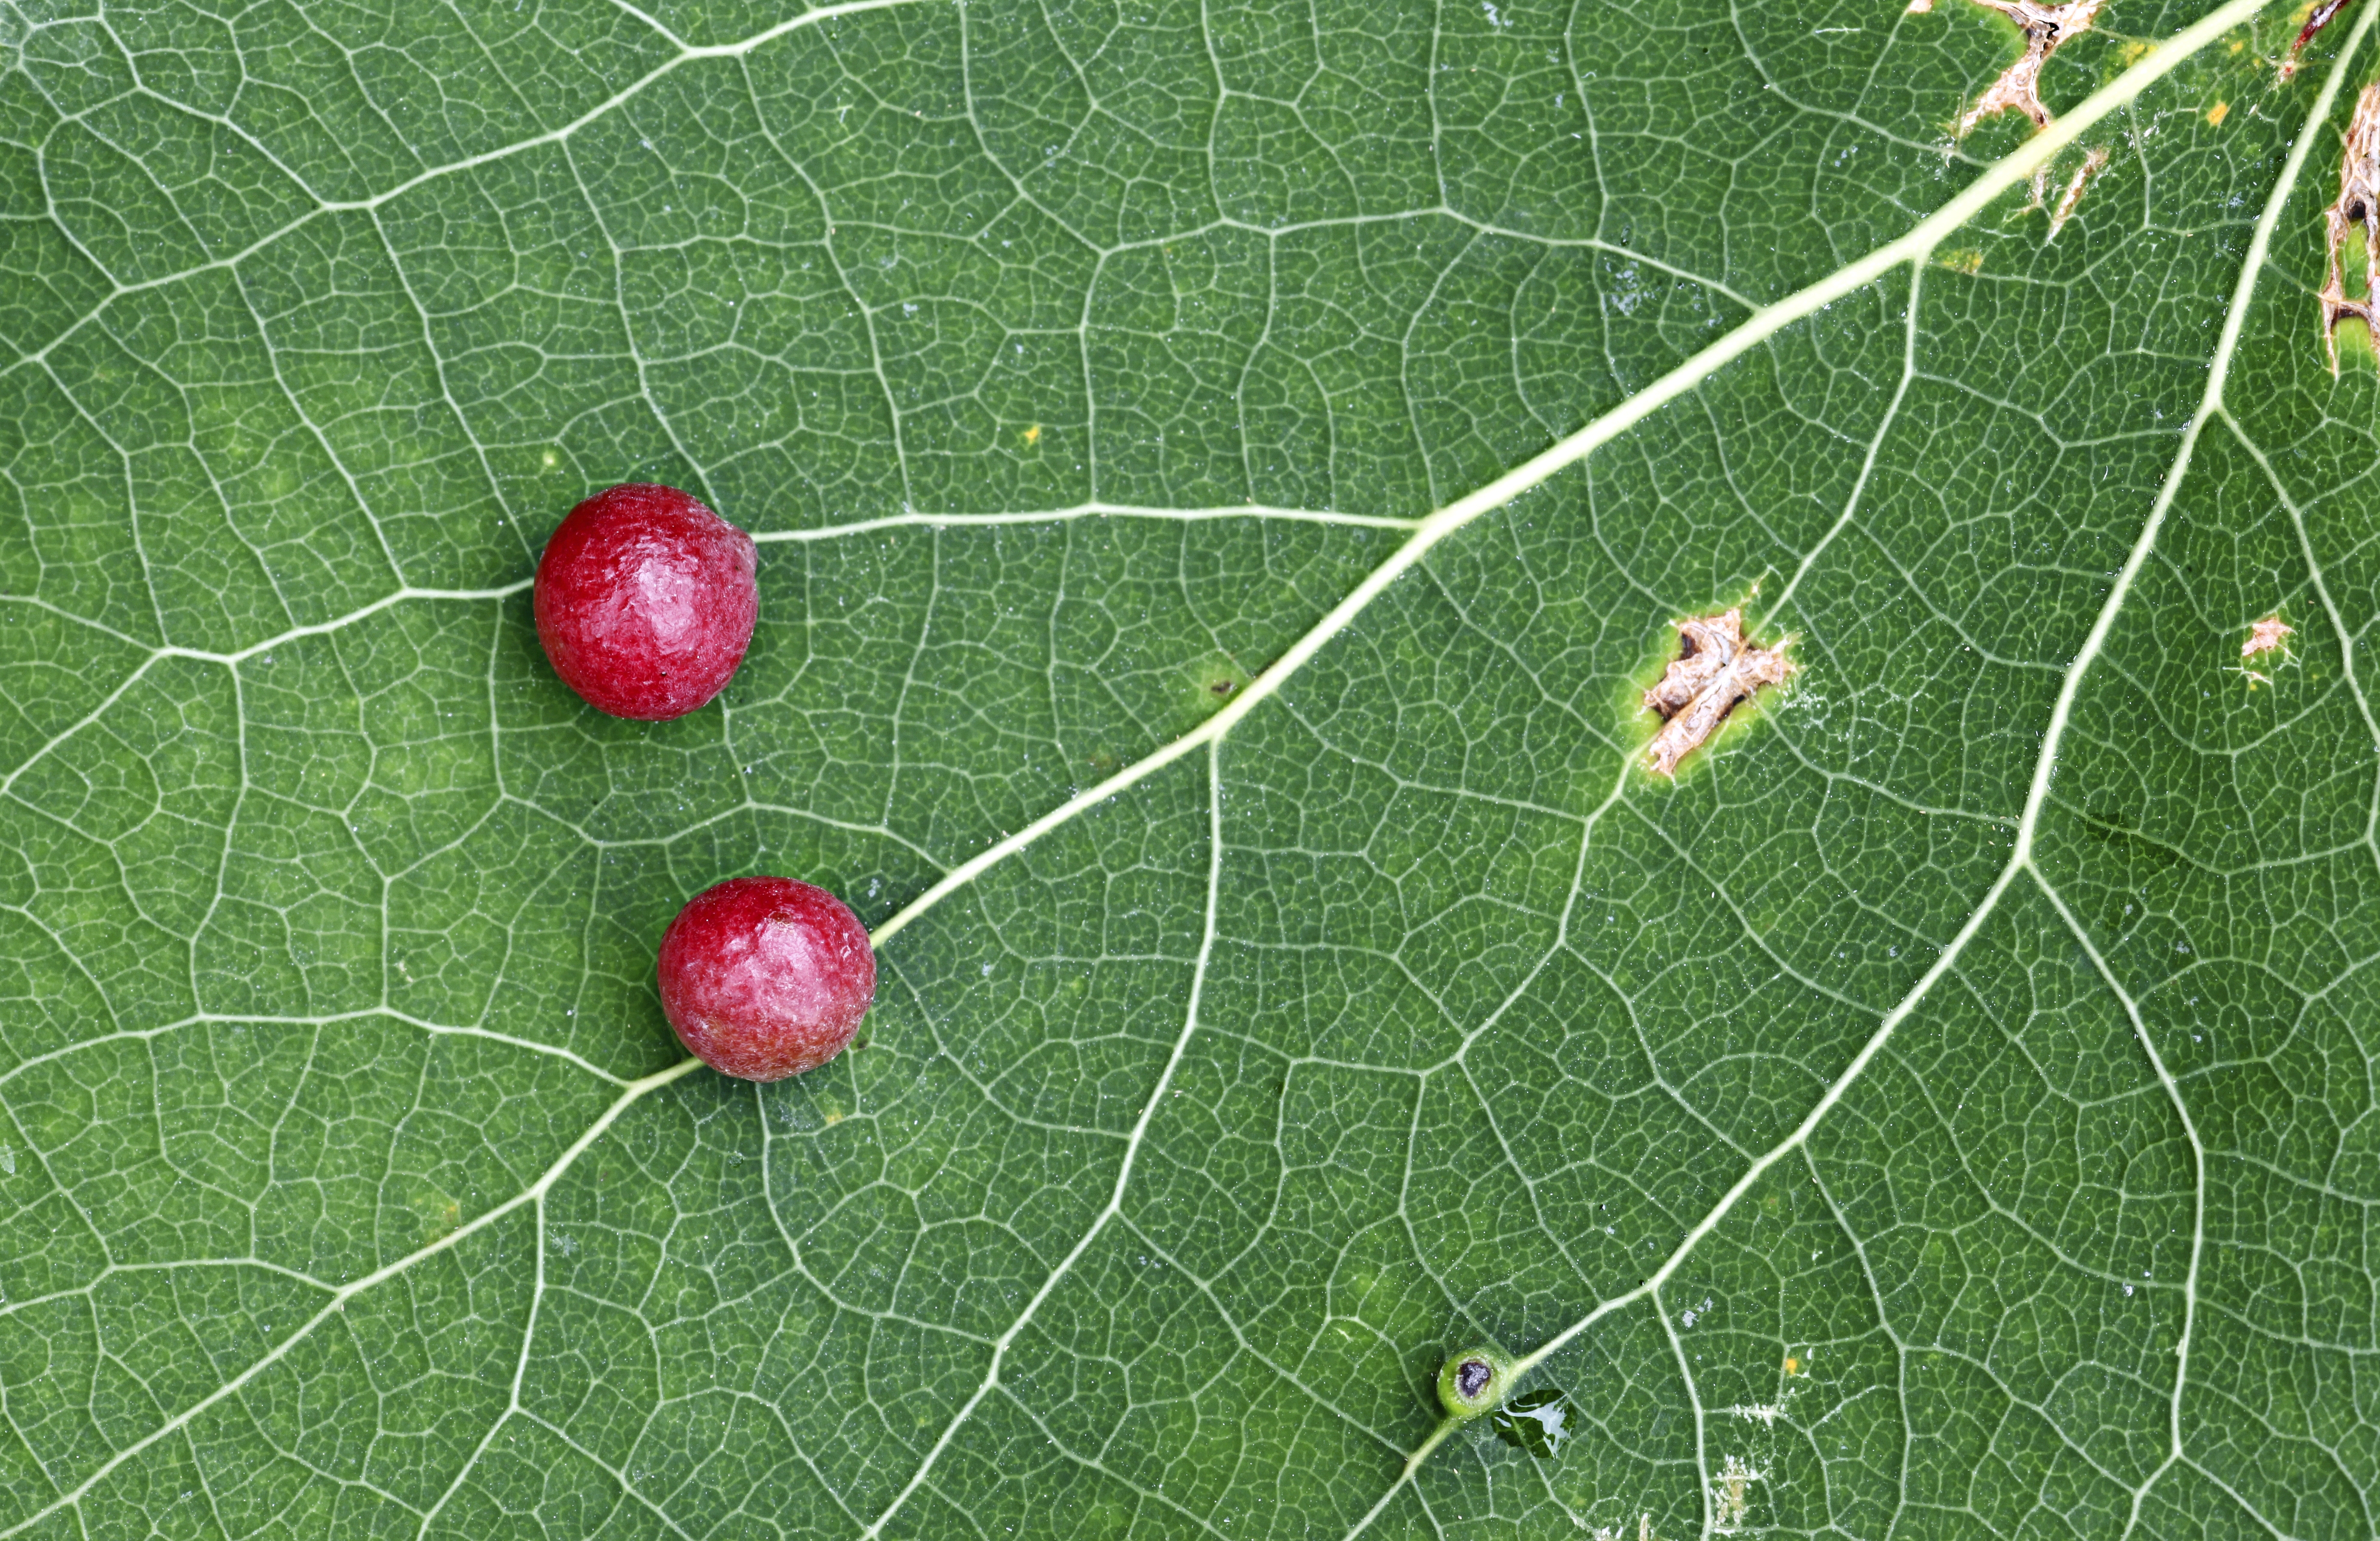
645, 601
765, 978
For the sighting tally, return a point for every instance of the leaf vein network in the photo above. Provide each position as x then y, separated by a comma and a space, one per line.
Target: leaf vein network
1911, 250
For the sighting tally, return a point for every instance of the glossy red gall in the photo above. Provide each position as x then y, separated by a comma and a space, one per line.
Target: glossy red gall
766, 977
644, 600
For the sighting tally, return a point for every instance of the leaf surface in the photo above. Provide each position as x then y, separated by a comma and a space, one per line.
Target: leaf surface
1226, 477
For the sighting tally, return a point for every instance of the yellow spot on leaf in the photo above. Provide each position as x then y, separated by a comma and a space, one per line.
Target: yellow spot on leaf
440, 1215
2216, 114
1212, 682
1793, 1364
552, 459
1033, 436
1970, 263
834, 1118
2134, 52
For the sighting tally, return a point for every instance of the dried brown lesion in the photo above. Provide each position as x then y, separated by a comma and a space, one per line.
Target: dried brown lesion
2091, 165
2266, 636
2019, 87
2359, 204
1716, 667
2270, 634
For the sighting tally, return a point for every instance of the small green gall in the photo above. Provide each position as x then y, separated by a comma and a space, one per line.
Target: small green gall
1472, 1382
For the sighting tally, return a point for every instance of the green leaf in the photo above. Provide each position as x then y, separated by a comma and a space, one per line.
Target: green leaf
1226, 477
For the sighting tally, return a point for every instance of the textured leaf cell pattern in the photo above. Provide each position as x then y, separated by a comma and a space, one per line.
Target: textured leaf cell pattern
1226, 477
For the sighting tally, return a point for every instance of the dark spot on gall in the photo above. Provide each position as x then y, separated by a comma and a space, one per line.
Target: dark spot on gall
1470, 1377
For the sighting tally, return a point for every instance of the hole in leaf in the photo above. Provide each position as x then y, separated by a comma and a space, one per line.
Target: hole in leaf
2352, 225
1537, 1422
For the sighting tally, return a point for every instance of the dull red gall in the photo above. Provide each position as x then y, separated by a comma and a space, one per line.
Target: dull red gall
645, 601
766, 977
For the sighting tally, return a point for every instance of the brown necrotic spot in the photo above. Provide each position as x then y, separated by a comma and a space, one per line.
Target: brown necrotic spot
1716, 667
2019, 87
2358, 192
2266, 636
2073, 198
